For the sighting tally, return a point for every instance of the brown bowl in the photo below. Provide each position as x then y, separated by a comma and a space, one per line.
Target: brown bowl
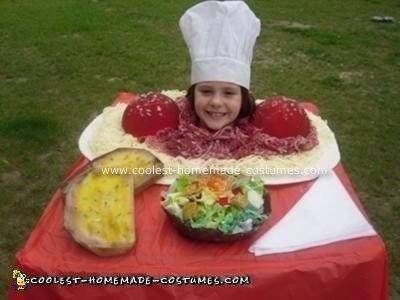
215, 235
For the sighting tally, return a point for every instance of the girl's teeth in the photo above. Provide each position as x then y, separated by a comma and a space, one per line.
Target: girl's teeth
216, 114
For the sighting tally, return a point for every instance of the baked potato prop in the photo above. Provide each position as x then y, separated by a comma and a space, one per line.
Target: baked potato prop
99, 201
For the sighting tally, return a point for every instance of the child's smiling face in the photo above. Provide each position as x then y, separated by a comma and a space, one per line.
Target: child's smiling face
217, 104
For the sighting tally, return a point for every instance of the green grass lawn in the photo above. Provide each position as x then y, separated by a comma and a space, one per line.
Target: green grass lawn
61, 62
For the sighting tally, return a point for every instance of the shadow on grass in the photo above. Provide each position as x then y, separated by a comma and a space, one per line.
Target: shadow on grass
35, 131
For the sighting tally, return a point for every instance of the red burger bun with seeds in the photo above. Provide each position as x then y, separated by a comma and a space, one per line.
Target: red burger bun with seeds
281, 117
149, 114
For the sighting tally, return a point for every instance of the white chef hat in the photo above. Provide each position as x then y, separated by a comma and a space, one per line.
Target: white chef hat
220, 37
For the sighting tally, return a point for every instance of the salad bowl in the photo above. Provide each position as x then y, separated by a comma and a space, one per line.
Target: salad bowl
216, 208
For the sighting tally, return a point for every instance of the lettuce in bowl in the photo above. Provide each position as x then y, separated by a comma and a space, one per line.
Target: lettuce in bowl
216, 207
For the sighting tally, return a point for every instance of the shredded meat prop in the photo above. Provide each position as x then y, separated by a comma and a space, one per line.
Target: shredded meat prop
234, 141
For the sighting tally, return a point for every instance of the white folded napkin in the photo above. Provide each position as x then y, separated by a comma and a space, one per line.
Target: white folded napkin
325, 214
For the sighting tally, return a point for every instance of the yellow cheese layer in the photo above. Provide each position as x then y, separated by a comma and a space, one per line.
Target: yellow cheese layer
124, 160
104, 206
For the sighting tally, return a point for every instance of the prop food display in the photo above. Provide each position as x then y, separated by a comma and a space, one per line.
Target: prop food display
282, 117
99, 201
216, 207
150, 113
249, 144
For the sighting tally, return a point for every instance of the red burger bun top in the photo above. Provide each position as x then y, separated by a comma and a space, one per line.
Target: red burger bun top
281, 117
150, 113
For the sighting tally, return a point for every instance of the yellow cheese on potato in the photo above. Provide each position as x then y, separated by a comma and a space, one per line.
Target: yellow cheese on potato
104, 206
99, 205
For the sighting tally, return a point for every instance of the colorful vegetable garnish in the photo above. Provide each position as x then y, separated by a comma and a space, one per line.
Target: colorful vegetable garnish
226, 203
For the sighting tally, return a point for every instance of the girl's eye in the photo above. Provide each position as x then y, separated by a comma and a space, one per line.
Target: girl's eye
230, 93
206, 92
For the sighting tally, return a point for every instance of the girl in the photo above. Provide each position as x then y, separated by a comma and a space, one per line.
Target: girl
218, 104
220, 37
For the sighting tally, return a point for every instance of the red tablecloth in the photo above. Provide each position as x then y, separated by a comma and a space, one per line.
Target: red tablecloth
355, 269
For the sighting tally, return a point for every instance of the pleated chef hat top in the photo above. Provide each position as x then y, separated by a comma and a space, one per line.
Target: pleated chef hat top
220, 37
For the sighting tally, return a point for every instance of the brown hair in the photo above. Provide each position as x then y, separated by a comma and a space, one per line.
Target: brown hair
248, 101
